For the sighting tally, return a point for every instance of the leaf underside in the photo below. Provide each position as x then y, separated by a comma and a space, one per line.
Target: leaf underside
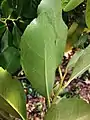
41, 48
69, 109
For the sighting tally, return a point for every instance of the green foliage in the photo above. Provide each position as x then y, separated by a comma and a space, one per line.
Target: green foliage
6, 10
10, 61
6, 39
16, 33
30, 8
2, 28
71, 109
70, 4
12, 98
41, 48
82, 64
74, 33
88, 14
74, 59
41, 41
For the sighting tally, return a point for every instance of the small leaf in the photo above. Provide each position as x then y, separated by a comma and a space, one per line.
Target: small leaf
16, 36
88, 14
10, 59
82, 64
6, 9
69, 109
6, 40
74, 59
72, 4
12, 98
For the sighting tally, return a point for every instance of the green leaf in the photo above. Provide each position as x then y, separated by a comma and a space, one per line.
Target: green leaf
74, 37
74, 59
6, 9
41, 48
69, 109
19, 4
72, 4
30, 8
64, 3
12, 98
11, 3
38, 56
82, 64
82, 40
6, 40
10, 59
2, 28
72, 28
88, 14
16, 36
1, 1
4, 115
16, 5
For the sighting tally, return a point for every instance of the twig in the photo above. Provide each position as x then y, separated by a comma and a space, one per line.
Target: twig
60, 89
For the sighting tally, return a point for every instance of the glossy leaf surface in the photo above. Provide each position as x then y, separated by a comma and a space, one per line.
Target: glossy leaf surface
12, 98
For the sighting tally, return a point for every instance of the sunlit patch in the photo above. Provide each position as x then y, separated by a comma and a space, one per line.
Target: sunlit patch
85, 117
34, 21
66, 53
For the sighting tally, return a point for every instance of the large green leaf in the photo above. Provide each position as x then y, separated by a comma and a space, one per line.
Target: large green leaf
12, 98
88, 13
10, 59
82, 64
41, 48
69, 109
38, 56
71, 4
